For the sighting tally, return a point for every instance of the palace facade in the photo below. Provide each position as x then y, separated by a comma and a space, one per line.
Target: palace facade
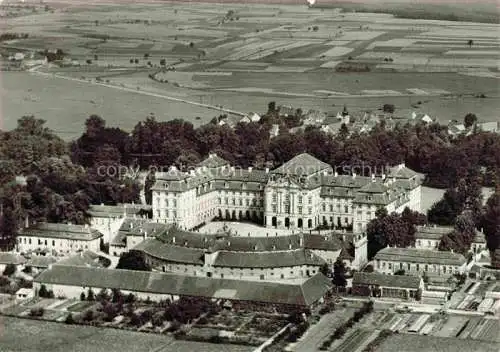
302, 194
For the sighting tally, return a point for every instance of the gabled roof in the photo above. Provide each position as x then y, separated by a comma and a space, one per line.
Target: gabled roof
373, 187
41, 261
432, 232
112, 211
401, 171
377, 279
212, 162
82, 259
303, 294
302, 165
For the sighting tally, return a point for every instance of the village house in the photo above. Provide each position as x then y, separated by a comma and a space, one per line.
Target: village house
303, 193
387, 286
419, 261
70, 282
61, 238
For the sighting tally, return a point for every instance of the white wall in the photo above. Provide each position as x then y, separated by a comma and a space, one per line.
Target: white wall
61, 245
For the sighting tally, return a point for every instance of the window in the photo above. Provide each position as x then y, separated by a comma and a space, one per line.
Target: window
408, 266
310, 200
418, 267
53, 243
300, 210
390, 265
287, 208
175, 214
426, 267
401, 266
175, 202
300, 199
226, 201
287, 198
275, 197
275, 209
241, 201
247, 202
166, 202
310, 211
346, 209
233, 201
331, 207
323, 207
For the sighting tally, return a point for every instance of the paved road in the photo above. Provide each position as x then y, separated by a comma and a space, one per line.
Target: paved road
319, 332
34, 70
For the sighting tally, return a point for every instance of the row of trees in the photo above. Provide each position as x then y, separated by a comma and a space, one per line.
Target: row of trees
54, 188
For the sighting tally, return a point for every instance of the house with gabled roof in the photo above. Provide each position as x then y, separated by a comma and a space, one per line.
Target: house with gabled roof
60, 238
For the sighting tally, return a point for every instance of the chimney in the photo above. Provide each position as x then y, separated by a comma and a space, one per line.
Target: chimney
102, 204
373, 178
353, 175
301, 241
145, 234
192, 173
173, 239
393, 179
383, 177
336, 174
185, 243
250, 169
26, 222
267, 170
131, 225
228, 243
290, 246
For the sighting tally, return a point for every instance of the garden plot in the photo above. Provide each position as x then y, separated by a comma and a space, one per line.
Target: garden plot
360, 35
337, 51
256, 50
330, 64
471, 62
243, 66
287, 69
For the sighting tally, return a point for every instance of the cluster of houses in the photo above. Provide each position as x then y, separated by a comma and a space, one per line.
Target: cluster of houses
456, 129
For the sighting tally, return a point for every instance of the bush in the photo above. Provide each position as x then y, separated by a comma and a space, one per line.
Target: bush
36, 312
82, 296
69, 319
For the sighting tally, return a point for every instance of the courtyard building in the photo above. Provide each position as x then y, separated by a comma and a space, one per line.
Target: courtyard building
302, 194
387, 286
71, 281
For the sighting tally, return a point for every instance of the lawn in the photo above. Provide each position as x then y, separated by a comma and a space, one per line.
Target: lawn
80, 306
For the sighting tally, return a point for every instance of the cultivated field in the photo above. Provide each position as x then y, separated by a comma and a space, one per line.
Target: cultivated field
243, 56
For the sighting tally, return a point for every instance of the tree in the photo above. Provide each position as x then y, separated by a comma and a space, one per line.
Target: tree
88, 61
391, 230
94, 125
96, 57
325, 270
43, 292
136, 61
82, 296
469, 120
163, 62
389, 108
9, 270
133, 260
470, 42
339, 279
146, 56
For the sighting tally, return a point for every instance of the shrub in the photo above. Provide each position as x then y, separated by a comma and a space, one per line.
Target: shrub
9, 270
69, 319
82, 296
36, 312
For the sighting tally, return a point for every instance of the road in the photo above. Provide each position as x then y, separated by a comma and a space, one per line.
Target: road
34, 70
314, 337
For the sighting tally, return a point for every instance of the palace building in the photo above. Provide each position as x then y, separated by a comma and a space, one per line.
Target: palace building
302, 194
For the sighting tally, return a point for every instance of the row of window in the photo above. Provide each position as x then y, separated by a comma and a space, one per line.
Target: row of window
254, 202
418, 267
24, 240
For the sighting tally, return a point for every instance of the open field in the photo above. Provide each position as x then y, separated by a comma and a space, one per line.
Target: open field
242, 57
21, 335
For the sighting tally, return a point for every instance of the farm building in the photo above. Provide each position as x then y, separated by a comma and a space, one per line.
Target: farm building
429, 237
419, 261
62, 238
7, 258
71, 281
391, 286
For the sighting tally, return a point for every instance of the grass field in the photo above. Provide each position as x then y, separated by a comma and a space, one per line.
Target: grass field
21, 335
